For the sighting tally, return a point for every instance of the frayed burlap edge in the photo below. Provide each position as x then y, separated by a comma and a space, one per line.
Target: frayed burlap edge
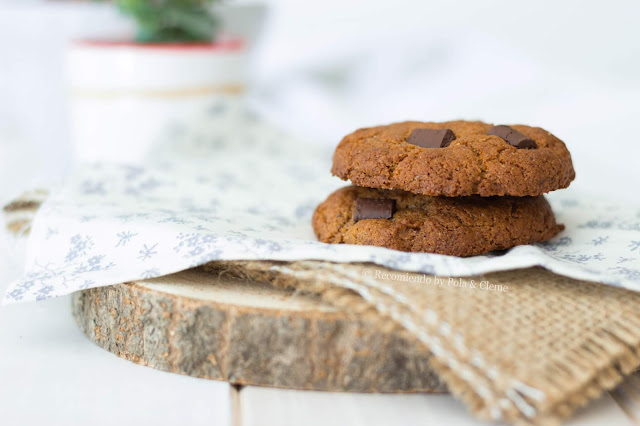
608, 356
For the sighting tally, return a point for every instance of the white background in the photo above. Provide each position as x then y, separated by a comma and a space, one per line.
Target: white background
322, 69
326, 68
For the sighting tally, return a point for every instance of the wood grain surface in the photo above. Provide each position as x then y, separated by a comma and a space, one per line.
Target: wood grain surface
222, 328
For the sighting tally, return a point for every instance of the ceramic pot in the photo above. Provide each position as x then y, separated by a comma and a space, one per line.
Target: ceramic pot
127, 97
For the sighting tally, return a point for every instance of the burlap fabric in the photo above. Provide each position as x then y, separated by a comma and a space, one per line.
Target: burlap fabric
524, 346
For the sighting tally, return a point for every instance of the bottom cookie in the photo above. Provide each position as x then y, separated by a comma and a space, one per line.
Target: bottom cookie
460, 226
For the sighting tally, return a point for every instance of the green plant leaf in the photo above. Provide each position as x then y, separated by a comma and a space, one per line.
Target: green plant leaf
172, 20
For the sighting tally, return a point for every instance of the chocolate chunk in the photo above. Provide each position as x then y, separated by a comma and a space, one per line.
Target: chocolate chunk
431, 138
513, 137
374, 208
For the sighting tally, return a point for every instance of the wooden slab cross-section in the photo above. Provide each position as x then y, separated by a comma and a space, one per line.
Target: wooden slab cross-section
202, 325
199, 324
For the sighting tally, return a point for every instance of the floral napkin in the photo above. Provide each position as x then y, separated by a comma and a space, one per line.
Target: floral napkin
231, 189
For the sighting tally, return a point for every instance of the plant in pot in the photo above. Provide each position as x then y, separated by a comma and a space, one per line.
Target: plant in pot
127, 93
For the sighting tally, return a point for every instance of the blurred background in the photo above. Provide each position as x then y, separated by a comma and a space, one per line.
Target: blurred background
320, 70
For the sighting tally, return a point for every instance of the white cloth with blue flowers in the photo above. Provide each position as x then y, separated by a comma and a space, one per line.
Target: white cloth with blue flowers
238, 189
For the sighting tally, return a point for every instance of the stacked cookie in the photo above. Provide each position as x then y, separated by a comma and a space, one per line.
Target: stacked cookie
459, 188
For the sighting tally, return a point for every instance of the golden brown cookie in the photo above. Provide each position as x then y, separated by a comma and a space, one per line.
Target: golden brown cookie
463, 226
475, 163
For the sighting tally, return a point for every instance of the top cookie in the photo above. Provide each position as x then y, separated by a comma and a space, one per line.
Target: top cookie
529, 161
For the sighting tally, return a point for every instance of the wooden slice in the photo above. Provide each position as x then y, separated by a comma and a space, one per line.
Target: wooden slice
201, 325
